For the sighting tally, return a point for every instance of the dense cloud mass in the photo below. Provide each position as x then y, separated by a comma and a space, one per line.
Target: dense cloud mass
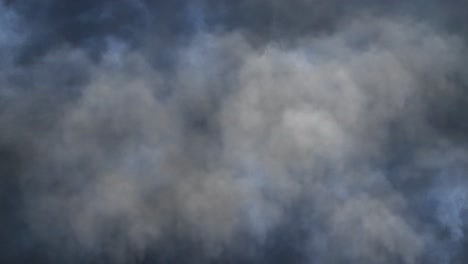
249, 131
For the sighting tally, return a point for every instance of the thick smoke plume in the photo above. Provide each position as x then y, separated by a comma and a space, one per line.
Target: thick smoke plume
264, 131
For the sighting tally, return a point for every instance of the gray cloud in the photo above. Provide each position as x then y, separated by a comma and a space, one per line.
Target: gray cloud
262, 133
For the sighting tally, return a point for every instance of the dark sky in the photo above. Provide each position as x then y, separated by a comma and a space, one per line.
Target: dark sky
234, 131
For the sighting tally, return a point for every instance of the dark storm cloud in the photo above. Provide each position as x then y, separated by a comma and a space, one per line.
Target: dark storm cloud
203, 131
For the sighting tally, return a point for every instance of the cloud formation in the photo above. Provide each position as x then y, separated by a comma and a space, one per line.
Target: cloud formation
246, 132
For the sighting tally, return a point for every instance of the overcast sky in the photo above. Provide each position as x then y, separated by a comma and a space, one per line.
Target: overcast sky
234, 131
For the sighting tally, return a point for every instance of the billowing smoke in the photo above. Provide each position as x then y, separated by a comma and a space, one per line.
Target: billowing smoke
264, 131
